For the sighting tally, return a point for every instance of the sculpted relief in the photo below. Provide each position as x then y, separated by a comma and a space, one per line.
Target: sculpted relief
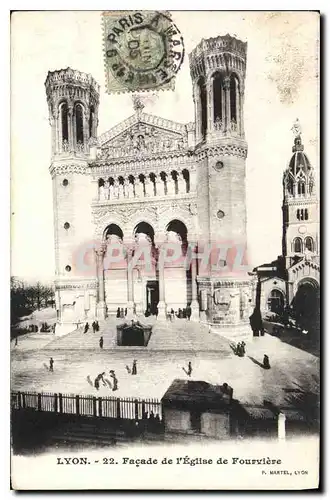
141, 139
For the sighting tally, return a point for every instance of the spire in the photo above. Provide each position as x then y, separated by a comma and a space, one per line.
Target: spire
296, 129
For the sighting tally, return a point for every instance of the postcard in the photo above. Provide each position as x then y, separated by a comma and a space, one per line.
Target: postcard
165, 259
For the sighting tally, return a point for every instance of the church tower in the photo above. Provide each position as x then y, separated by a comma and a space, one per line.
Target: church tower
73, 100
218, 68
300, 206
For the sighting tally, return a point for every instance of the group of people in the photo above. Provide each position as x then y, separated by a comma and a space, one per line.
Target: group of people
95, 327
180, 314
106, 382
113, 384
121, 312
239, 349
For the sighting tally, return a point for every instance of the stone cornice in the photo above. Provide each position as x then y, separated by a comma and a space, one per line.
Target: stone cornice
140, 204
225, 282
232, 147
75, 283
68, 168
126, 166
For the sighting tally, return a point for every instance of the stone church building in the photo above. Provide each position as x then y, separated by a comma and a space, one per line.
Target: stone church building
148, 182
292, 281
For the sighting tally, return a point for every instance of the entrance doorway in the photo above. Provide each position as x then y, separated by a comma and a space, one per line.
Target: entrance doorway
152, 290
195, 421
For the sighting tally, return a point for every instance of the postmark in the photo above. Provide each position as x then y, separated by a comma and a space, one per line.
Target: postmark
143, 50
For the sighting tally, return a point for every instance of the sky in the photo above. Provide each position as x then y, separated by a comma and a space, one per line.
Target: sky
282, 84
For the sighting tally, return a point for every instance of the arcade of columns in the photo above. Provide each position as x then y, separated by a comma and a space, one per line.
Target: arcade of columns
129, 252
221, 119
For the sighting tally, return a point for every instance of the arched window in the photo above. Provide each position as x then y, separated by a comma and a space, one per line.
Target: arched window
311, 185
290, 186
301, 187
64, 121
276, 301
297, 245
202, 97
234, 86
309, 244
306, 214
79, 124
218, 100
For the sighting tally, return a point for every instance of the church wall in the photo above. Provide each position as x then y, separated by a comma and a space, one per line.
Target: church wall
227, 193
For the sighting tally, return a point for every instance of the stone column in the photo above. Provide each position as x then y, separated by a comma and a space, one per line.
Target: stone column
70, 128
101, 306
194, 302
241, 113
130, 293
226, 86
161, 304
210, 107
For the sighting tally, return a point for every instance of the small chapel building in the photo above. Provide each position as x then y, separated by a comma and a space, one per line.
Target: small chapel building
291, 283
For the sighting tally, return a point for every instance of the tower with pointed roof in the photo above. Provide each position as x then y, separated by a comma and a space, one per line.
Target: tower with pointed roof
300, 206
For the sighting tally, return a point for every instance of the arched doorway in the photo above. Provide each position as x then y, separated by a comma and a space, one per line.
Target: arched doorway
276, 301
306, 305
177, 277
146, 287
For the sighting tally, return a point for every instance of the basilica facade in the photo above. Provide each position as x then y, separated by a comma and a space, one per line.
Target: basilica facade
144, 184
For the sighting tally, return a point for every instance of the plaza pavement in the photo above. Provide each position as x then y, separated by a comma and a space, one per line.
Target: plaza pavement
294, 373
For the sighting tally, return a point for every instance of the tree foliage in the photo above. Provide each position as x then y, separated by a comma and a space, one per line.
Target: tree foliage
26, 298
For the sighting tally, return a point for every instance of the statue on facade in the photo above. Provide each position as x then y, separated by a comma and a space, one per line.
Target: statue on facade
115, 189
181, 184
106, 189
159, 186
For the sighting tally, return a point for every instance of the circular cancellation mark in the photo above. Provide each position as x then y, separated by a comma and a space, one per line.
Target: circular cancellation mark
143, 50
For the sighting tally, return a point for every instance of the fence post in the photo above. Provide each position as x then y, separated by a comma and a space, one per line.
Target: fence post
19, 400
60, 399
94, 407
55, 403
143, 408
100, 406
23, 400
77, 404
118, 408
136, 409
39, 401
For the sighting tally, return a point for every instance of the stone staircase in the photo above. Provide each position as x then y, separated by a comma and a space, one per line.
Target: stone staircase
179, 335
182, 334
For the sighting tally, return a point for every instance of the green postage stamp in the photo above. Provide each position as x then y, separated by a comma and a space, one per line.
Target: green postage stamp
143, 50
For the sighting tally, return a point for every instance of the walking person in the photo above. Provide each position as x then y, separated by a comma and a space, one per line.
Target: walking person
97, 380
97, 326
86, 328
266, 362
134, 367
94, 326
101, 342
16, 341
51, 365
114, 380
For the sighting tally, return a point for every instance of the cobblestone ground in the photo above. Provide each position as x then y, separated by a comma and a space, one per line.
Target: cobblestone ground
292, 372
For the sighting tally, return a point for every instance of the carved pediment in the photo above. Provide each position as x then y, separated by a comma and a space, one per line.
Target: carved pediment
142, 137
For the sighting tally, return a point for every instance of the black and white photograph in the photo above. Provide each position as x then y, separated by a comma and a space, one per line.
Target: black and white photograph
165, 250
